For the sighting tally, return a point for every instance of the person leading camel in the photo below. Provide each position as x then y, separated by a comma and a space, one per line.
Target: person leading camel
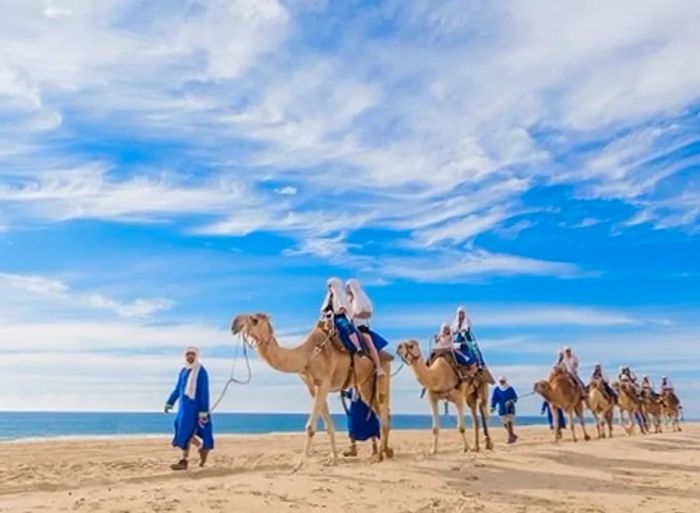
363, 423
504, 398
361, 310
336, 306
192, 391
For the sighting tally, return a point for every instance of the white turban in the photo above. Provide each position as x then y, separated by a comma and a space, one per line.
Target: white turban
360, 302
337, 295
463, 325
191, 386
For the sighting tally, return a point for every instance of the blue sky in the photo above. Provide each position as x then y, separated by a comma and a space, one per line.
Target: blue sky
165, 165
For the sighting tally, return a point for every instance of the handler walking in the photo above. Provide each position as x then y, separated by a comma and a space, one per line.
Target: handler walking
192, 390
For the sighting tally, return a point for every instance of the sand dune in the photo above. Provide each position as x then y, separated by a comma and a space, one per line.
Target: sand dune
656, 473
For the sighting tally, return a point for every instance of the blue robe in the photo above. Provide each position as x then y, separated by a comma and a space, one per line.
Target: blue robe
469, 348
363, 423
505, 400
187, 420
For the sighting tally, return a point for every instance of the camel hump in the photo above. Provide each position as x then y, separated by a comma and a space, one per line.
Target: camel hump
386, 357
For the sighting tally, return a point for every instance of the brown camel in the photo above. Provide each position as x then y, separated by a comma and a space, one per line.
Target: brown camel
442, 382
561, 391
652, 409
671, 409
602, 405
324, 368
628, 401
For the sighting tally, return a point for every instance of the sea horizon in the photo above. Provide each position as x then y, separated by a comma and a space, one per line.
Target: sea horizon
43, 425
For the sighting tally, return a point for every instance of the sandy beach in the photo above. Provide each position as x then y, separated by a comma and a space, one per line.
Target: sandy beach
657, 473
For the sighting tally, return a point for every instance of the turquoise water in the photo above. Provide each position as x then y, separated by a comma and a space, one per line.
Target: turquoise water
23, 425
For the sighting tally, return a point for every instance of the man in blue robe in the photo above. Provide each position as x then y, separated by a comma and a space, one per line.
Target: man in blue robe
192, 390
363, 423
504, 398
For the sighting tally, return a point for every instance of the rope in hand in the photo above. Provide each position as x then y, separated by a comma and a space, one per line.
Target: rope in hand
232, 378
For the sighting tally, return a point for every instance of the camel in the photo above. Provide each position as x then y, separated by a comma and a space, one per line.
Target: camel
602, 406
671, 409
442, 382
628, 402
324, 368
652, 410
561, 391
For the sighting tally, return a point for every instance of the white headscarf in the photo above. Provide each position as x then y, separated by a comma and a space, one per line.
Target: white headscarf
465, 324
337, 294
505, 386
360, 303
445, 339
195, 367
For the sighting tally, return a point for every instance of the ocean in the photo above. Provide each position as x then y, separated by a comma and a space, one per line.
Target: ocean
40, 425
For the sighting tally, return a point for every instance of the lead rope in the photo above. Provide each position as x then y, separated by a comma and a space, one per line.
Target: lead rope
232, 378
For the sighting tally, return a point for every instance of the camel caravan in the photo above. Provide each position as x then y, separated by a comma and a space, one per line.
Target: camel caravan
342, 353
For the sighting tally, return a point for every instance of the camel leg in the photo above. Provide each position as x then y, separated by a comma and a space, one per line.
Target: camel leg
475, 426
436, 424
598, 421
330, 429
582, 421
555, 422
609, 419
484, 410
570, 413
321, 393
384, 384
460, 424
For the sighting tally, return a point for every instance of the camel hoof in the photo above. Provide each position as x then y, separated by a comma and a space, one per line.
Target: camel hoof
476, 449
489, 445
389, 452
375, 458
331, 461
586, 438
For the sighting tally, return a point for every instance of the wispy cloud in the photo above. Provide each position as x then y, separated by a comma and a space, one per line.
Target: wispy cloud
59, 292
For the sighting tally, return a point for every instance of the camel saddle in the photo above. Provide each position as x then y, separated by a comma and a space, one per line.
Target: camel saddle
463, 372
340, 347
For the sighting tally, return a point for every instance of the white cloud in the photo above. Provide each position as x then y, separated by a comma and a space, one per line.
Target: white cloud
443, 146
61, 296
514, 315
454, 266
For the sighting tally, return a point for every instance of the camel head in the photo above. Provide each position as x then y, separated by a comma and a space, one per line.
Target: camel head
543, 388
256, 329
409, 351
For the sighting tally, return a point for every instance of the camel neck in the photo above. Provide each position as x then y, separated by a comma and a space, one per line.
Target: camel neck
425, 375
293, 360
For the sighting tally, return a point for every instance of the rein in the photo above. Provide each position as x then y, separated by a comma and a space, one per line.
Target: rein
232, 378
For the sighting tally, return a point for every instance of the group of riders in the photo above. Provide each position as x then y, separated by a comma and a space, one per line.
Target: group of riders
569, 362
351, 310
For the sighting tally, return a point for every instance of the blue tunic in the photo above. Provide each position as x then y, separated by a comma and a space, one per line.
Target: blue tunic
470, 348
187, 420
363, 423
505, 400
